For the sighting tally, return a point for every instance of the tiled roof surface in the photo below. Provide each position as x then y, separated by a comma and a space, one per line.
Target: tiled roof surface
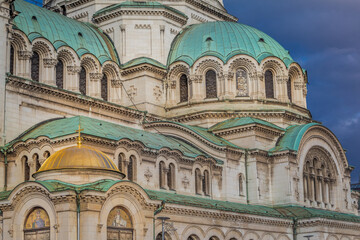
235, 122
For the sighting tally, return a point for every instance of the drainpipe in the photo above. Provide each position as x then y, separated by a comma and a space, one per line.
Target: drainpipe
157, 211
246, 176
78, 214
295, 228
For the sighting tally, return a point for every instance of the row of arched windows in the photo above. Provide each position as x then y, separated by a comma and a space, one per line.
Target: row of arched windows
202, 182
36, 161
242, 85
127, 167
167, 176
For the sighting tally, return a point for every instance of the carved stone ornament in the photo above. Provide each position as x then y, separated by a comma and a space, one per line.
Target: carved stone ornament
99, 227
260, 76
148, 174
282, 79
196, 78
298, 85
95, 76
173, 84
24, 55
116, 83
56, 227
185, 181
72, 70
50, 62
157, 93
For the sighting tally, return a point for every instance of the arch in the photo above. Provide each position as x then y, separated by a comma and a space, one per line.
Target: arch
104, 87
204, 64
131, 170
161, 174
68, 56
193, 231
269, 84
37, 224
233, 234
214, 233
332, 237
166, 237
59, 74
90, 63
193, 237
35, 66
111, 69
43, 47
171, 177
119, 224
121, 162
251, 236
184, 88
267, 237
25, 162
283, 237
197, 181
210, 84
20, 41
36, 161
83, 81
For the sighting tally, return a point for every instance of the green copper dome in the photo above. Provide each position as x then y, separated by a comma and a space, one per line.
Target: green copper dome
224, 40
37, 22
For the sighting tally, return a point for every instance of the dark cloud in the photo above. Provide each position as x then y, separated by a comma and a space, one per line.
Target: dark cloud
324, 37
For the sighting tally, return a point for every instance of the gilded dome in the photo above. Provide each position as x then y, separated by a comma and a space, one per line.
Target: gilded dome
78, 157
224, 40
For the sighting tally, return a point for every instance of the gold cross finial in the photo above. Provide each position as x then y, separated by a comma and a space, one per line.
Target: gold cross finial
79, 138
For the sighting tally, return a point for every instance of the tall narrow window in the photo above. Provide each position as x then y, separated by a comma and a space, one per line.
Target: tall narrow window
82, 81
131, 168
242, 89
161, 174
241, 187
184, 88
197, 181
35, 67
210, 82
26, 168
289, 90
206, 183
269, 84
171, 176
12, 59
104, 88
37, 225
37, 162
121, 159
59, 69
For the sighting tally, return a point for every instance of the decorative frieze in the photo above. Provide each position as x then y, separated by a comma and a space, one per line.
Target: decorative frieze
95, 76
49, 62
116, 83
24, 55
72, 70
142, 26
196, 78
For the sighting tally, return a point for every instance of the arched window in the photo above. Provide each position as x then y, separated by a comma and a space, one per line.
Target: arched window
289, 89
242, 88
214, 238
104, 88
26, 168
162, 174
184, 88
197, 181
37, 225
171, 176
12, 59
241, 185
119, 224
131, 168
269, 84
46, 154
210, 82
35, 67
37, 162
59, 69
82, 81
121, 160
193, 237
206, 183
166, 237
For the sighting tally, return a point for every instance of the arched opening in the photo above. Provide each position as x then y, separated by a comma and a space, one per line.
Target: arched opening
242, 89
104, 87
121, 161
214, 238
46, 154
206, 183
210, 82
82, 81
35, 66
184, 88
197, 181
12, 59
36, 161
269, 84
193, 237
162, 175
166, 236
59, 69
131, 168
25, 161
37, 225
171, 176
289, 89
119, 224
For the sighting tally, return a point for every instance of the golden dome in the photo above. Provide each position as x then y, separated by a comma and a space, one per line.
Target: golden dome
78, 157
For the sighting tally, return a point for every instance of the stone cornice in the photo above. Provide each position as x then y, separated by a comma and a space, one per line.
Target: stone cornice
249, 127
321, 222
144, 68
147, 12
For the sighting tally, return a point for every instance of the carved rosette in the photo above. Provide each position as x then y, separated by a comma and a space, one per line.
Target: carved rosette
72, 70
24, 55
95, 76
50, 62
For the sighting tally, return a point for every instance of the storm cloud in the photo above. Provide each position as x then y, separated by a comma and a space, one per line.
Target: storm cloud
323, 36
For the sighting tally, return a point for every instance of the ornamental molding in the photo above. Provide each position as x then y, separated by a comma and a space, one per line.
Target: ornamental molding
95, 76
174, 31
94, 199
144, 68
242, 63
24, 55
298, 85
198, 18
212, 10
73, 70
251, 127
77, 3
50, 62
106, 16
116, 83
282, 79
109, 30
175, 71
208, 63
80, 15
196, 78
63, 199
142, 26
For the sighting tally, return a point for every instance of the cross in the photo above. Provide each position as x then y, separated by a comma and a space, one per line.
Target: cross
79, 138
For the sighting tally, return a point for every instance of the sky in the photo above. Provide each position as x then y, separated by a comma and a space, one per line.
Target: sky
323, 36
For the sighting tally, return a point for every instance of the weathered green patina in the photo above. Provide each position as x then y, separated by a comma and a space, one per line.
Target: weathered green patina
236, 122
138, 4
224, 40
37, 22
142, 60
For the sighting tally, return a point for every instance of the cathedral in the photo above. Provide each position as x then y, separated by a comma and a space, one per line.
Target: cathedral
119, 119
